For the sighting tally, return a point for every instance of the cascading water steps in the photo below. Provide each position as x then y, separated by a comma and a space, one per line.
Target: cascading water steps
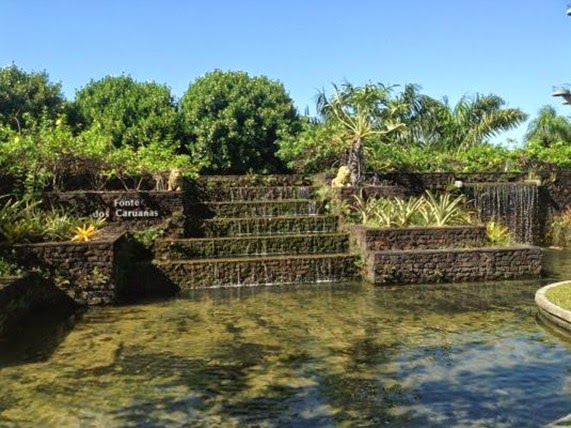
257, 235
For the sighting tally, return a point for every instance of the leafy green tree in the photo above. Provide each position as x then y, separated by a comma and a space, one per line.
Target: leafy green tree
128, 112
234, 122
25, 97
549, 128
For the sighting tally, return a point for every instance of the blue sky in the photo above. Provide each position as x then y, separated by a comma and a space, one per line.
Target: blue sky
519, 50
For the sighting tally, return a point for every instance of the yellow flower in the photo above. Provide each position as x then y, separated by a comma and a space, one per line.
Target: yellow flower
84, 233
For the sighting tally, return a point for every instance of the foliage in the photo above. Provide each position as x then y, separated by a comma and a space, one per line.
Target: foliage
127, 112
22, 220
429, 210
548, 128
442, 210
312, 150
498, 234
559, 233
9, 266
233, 122
25, 97
46, 155
536, 156
148, 236
352, 117
472, 121
128, 163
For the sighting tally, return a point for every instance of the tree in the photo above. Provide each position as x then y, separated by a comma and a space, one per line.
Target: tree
26, 97
357, 114
128, 112
548, 128
234, 122
472, 121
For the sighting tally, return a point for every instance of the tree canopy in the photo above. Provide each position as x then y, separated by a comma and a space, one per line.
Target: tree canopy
26, 97
549, 128
126, 111
233, 121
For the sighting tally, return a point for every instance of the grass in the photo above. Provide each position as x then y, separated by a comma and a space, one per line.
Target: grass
560, 295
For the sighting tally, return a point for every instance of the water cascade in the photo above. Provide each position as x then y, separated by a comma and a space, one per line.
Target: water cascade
255, 235
513, 204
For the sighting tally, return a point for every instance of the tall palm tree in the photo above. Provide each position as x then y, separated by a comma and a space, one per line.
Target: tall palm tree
438, 125
358, 113
473, 120
548, 128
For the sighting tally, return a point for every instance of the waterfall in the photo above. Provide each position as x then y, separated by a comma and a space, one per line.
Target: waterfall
513, 204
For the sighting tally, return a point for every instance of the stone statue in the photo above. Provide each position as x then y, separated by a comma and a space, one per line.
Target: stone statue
343, 177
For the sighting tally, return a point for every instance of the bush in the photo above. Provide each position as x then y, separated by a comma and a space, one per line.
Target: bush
233, 122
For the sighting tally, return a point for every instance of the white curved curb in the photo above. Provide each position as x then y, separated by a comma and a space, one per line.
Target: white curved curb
550, 311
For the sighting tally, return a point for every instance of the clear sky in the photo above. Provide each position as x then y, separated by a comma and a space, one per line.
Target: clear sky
519, 50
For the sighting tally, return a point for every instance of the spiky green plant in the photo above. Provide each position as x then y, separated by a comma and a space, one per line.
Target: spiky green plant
442, 210
498, 234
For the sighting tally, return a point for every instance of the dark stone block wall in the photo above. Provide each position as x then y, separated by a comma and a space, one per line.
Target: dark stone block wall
125, 210
374, 239
453, 265
88, 272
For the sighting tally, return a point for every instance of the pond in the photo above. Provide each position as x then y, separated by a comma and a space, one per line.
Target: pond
317, 356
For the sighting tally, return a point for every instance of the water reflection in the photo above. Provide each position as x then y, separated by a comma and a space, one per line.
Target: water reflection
324, 355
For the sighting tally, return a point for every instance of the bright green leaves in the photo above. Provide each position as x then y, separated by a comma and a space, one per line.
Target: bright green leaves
233, 122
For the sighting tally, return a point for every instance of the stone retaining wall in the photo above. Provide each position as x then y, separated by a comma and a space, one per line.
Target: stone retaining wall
88, 272
453, 265
375, 239
125, 210
550, 312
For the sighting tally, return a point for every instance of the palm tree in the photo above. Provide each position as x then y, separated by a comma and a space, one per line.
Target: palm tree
473, 120
356, 114
548, 128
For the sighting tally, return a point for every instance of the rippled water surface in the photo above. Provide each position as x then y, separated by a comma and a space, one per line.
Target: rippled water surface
313, 356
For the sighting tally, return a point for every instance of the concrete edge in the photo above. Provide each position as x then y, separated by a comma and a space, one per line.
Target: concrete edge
550, 311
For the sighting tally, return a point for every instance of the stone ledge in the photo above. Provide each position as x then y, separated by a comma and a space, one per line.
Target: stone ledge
551, 312
452, 265
367, 238
88, 272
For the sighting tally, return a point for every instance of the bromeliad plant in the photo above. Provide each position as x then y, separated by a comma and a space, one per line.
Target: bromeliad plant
428, 210
22, 220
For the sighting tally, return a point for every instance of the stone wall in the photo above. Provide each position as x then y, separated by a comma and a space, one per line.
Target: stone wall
375, 239
125, 210
88, 272
453, 265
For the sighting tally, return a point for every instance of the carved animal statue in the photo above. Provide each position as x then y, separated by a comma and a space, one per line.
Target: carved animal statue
175, 180
343, 177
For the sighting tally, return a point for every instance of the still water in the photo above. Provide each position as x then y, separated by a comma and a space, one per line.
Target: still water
315, 356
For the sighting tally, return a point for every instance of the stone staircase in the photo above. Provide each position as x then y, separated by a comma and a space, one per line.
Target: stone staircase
256, 234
